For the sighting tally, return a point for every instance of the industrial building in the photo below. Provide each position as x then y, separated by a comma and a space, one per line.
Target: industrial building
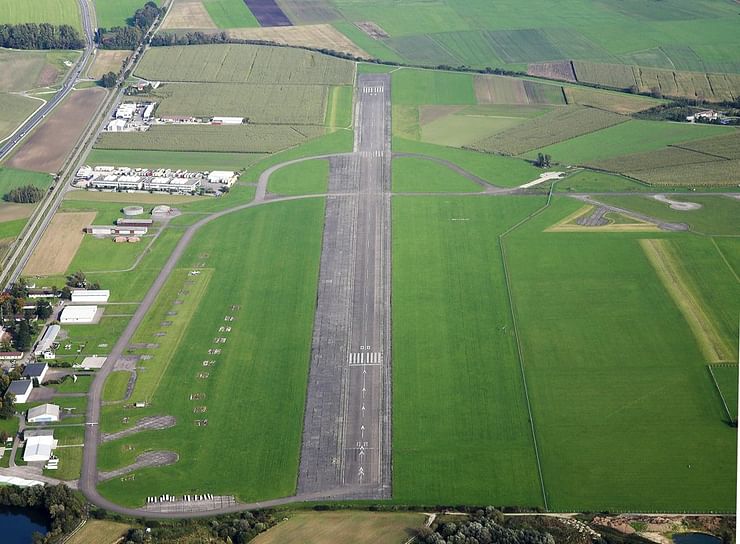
36, 371
126, 110
21, 389
227, 120
222, 177
39, 445
78, 314
171, 185
44, 345
46, 413
104, 230
90, 295
116, 125
128, 222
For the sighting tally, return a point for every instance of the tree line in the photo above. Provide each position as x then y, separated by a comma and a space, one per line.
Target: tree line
27, 194
131, 35
40, 36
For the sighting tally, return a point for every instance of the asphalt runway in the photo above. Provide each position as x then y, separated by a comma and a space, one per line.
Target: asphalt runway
346, 441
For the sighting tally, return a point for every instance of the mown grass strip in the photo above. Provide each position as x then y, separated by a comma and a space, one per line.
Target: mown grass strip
670, 273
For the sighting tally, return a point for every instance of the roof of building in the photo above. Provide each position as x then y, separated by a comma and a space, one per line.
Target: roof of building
50, 334
38, 446
35, 433
91, 293
79, 312
91, 362
20, 387
35, 370
51, 410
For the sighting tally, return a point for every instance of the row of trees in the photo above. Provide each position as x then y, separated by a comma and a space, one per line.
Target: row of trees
27, 194
40, 36
64, 507
130, 36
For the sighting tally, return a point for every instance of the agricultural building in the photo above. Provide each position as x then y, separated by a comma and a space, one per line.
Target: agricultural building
104, 230
78, 314
227, 120
85, 172
126, 110
36, 371
47, 340
124, 222
116, 125
39, 445
91, 363
223, 177
46, 413
90, 295
132, 211
21, 389
11, 355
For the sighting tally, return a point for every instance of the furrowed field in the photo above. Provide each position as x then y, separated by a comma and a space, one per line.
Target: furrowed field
258, 365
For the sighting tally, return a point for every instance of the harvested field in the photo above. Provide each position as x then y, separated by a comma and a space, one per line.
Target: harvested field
47, 149
429, 114
562, 70
373, 30
332, 527
10, 211
548, 129
58, 245
499, 90
280, 104
241, 63
605, 100
108, 60
268, 13
234, 138
192, 14
100, 532
676, 282
319, 36
651, 160
725, 173
726, 146
619, 76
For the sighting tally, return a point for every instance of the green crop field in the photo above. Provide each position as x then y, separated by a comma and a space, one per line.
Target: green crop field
15, 109
339, 107
608, 100
230, 13
459, 402
508, 90
557, 126
227, 138
413, 87
596, 360
303, 178
10, 178
626, 138
727, 145
716, 173
589, 181
236, 63
55, 12
717, 215
423, 176
11, 229
265, 359
283, 104
173, 159
110, 13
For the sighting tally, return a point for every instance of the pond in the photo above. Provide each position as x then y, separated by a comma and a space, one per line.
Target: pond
695, 538
17, 525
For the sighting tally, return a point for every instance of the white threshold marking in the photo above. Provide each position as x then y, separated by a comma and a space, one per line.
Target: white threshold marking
365, 358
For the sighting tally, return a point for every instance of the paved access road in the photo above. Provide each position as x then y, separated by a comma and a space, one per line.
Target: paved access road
67, 86
346, 436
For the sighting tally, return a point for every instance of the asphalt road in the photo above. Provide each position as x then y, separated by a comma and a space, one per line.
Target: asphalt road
67, 86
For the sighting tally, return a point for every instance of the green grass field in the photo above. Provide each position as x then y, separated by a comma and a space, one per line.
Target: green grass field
718, 214
422, 176
598, 182
267, 263
230, 13
27, 70
412, 87
173, 159
11, 229
458, 397
110, 13
15, 109
609, 369
56, 12
303, 178
726, 378
339, 107
10, 178
630, 137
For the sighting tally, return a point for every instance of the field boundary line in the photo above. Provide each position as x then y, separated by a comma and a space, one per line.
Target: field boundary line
722, 255
519, 350
719, 390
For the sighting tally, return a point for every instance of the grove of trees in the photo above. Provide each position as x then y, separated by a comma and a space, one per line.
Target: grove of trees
27, 194
130, 36
484, 527
40, 36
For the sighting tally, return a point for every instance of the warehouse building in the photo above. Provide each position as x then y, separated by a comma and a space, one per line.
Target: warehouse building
116, 125
78, 314
104, 230
46, 413
21, 389
222, 177
227, 120
90, 295
39, 445
128, 222
36, 371
148, 110
126, 110
47, 341
172, 185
